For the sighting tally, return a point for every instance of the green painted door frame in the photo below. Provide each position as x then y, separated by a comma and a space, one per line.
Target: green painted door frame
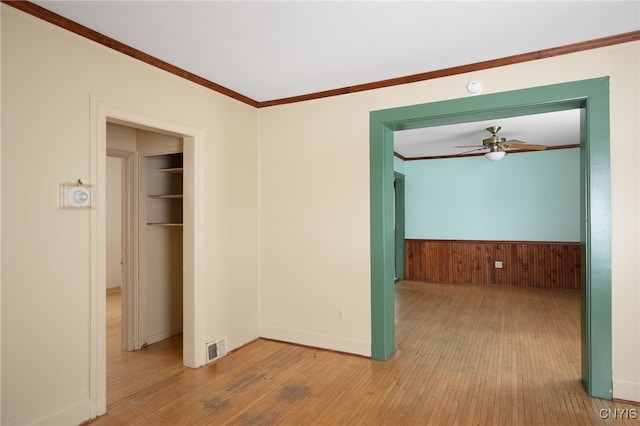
592, 98
398, 185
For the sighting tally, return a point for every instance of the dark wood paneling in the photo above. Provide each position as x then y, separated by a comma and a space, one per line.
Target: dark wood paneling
524, 263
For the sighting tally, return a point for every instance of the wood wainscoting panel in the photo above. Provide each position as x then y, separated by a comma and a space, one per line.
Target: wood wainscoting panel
524, 263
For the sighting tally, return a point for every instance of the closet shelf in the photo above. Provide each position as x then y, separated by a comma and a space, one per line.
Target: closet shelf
166, 196
177, 170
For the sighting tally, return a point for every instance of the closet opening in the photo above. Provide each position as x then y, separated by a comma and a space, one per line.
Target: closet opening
144, 238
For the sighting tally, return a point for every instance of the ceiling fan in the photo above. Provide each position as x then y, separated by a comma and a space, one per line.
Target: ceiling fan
498, 146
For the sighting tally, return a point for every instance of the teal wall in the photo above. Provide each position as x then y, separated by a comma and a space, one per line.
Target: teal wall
398, 165
532, 196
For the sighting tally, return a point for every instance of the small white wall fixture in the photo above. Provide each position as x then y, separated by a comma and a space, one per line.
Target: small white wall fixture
76, 195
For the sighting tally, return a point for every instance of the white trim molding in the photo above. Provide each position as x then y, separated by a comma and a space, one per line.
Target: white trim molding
193, 319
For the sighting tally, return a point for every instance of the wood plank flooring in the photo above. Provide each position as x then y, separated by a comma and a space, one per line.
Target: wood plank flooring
466, 355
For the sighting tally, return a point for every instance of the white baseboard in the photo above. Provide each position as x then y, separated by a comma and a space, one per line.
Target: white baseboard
72, 410
628, 391
317, 340
161, 335
113, 289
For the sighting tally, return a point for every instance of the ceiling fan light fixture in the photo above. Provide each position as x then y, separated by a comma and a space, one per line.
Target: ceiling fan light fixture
494, 155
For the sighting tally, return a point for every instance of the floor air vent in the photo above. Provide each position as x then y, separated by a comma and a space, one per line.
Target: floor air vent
216, 349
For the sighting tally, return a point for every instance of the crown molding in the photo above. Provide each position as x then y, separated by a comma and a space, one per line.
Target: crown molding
67, 24
478, 66
72, 26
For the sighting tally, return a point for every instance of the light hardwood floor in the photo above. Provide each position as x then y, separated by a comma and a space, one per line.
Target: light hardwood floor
466, 355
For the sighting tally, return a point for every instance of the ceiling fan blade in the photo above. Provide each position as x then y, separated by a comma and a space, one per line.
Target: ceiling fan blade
527, 146
473, 150
470, 146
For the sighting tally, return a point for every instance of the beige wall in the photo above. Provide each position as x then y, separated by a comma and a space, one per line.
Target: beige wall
49, 77
307, 184
315, 208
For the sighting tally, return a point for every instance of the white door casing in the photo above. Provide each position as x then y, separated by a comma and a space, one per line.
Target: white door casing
193, 320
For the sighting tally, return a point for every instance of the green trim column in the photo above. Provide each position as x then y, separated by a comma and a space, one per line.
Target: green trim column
596, 244
382, 252
398, 185
592, 97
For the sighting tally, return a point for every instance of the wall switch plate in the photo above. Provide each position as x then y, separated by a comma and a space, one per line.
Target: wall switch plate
498, 264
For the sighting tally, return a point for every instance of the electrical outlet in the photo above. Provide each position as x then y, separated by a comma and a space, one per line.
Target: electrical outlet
498, 264
340, 314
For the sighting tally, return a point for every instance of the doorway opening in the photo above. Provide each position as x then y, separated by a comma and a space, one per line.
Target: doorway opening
144, 232
144, 254
592, 98
193, 347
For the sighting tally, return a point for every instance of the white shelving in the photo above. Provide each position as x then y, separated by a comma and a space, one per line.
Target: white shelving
164, 190
161, 270
177, 170
166, 196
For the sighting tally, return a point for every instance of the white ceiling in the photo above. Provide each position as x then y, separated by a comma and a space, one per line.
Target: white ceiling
551, 129
268, 50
